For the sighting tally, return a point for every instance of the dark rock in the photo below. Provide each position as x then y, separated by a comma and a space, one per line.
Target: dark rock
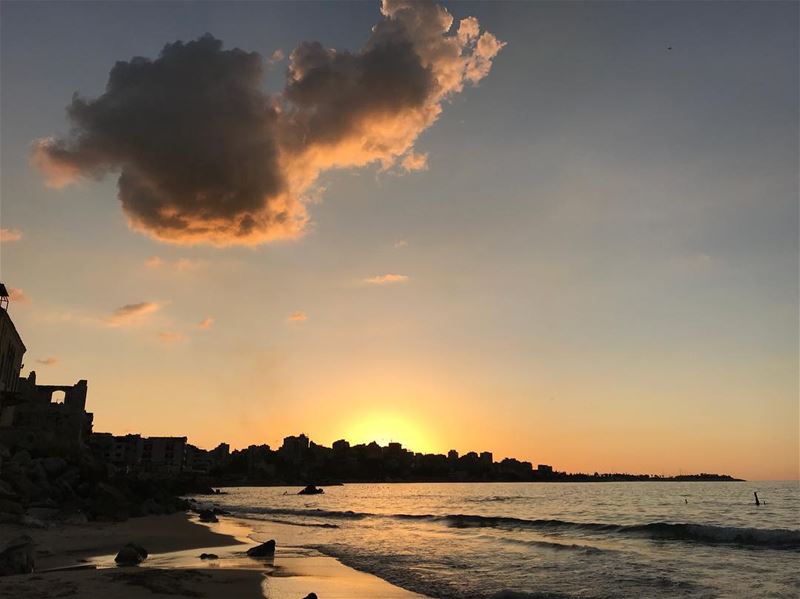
209, 556
106, 502
16, 556
7, 491
21, 458
311, 596
264, 550
311, 490
208, 516
11, 507
78, 518
10, 518
131, 555
43, 513
54, 465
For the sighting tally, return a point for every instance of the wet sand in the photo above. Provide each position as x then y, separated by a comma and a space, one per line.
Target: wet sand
174, 568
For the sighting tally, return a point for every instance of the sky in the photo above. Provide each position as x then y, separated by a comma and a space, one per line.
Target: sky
571, 240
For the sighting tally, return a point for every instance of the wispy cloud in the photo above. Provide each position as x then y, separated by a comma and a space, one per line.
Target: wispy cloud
298, 316
10, 235
170, 337
153, 262
415, 162
51, 361
179, 265
206, 323
401, 243
386, 279
18, 296
132, 314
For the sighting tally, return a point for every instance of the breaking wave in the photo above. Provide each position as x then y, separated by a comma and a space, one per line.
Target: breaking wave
668, 531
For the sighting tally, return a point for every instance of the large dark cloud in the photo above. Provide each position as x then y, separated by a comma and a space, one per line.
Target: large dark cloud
204, 154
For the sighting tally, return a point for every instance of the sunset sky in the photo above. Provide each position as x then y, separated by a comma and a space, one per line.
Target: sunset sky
572, 239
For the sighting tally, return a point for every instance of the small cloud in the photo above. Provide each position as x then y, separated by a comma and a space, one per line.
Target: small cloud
132, 314
10, 235
18, 295
400, 244
186, 265
51, 361
169, 337
206, 323
276, 56
415, 162
153, 262
298, 317
386, 279
179, 265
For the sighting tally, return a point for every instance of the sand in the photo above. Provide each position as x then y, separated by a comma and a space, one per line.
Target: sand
174, 568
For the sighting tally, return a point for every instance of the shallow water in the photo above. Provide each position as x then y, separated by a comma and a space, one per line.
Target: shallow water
547, 539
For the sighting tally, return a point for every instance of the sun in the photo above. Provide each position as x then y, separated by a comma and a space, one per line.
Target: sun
388, 427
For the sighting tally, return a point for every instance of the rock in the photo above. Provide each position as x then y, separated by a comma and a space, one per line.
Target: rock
209, 556
7, 491
21, 484
54, 465
311, 596
11, 507
21, 458
10, 518
208, 516
43, 513
32, 522
264, 550
16, 556
72, 476
311, 490
131, 555
77, 518
106, 502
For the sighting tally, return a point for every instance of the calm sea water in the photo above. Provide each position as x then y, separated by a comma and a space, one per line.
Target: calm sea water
522, 540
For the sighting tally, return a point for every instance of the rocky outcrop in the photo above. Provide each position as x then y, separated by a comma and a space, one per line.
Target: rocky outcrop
311, 490
264, 550
131, 555
36, 490
16, 556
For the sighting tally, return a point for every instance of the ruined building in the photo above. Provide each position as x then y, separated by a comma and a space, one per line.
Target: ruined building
30, 416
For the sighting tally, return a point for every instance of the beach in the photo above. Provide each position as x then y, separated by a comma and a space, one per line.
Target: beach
78, 561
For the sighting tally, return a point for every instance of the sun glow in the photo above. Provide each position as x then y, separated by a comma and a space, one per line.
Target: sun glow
386, 427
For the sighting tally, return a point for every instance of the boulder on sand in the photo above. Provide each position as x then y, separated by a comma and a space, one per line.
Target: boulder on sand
131, 555
209, 556
311, 596
310, 490
16, 556
208, 516
264, 550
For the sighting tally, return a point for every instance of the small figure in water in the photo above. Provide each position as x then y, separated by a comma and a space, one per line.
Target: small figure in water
686, 501
756, 496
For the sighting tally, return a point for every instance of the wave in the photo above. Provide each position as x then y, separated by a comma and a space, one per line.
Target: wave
306, 524
669, 531
706, 533
527, 595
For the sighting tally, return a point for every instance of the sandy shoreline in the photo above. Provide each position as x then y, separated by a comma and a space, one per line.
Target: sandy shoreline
174, 568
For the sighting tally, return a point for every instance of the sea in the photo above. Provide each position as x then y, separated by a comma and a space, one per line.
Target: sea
545, 540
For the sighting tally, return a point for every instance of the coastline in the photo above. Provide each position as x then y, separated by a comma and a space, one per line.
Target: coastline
78, 561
